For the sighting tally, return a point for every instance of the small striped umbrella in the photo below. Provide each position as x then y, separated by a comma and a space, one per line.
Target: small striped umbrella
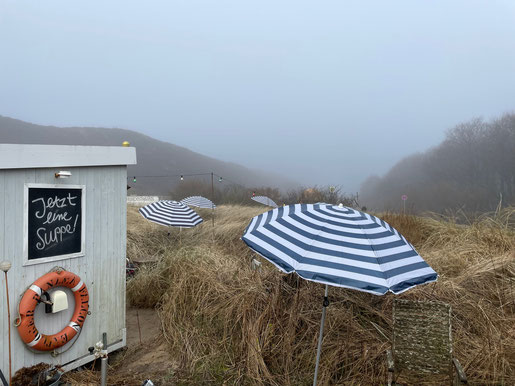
265, 201
171, 213
338, 246
199, 202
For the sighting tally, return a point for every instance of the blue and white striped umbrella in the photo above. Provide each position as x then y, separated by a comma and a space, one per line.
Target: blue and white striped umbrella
339, 246
170, 213
199, 202
265, 201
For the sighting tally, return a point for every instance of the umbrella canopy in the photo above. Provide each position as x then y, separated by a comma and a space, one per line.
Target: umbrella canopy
170, 213
265, 201
339, 246
199, 202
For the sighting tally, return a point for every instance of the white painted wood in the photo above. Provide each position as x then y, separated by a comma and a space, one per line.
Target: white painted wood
21, 156
102, 267
89, 358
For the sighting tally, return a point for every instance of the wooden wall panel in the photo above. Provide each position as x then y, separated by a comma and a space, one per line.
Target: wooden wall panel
102, 267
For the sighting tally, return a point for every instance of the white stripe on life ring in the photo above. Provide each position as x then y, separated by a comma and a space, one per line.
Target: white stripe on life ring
36, 289
77, 287
74, 325
35, 341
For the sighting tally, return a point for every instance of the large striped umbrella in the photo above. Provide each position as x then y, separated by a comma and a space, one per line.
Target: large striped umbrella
265, 201
170, 213
338, 246
199, 202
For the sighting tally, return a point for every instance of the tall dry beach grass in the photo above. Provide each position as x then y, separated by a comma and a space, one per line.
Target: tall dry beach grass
226, 323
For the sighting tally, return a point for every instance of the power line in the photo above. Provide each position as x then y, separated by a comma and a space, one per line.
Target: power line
172, 175
220, 178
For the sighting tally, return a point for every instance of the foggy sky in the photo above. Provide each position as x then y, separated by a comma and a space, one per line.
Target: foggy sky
326, 92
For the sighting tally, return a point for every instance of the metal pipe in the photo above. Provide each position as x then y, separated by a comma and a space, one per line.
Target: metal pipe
103, 361
9, 327
103, 371
213, 201
319, 348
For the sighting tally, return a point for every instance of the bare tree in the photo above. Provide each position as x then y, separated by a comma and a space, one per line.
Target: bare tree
470, 169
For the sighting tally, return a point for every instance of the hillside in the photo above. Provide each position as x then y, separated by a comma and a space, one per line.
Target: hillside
155, 158
472, 170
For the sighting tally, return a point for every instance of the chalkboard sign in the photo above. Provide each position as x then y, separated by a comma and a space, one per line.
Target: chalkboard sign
54, 221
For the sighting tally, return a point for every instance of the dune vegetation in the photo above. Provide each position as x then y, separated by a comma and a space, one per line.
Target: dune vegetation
228, 324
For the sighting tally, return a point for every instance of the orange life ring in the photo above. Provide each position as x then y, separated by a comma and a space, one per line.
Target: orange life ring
26, 325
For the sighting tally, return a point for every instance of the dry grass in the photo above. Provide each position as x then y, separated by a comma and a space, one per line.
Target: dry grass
227, 323
123, 368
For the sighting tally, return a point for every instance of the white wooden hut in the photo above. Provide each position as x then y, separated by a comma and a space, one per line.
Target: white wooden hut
93, 246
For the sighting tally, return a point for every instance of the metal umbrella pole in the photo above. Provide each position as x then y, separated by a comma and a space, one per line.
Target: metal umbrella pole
319, 348
6, 266
212, 200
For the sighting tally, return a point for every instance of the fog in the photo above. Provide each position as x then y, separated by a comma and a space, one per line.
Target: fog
471, 171
323, 92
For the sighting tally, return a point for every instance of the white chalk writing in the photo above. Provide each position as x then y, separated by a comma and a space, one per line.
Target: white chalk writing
58, 223
55, 202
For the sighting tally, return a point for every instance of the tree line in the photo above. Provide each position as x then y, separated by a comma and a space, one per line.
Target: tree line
473, 170
229, 193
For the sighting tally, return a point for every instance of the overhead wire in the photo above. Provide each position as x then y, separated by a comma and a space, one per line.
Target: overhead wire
221, 178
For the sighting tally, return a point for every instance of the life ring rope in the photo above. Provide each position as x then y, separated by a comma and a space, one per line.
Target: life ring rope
57, 277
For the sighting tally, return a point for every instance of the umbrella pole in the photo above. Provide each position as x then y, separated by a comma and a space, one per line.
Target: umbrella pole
212, 202
319, 349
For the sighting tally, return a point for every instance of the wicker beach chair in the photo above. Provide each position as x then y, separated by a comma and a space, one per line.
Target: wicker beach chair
422, 344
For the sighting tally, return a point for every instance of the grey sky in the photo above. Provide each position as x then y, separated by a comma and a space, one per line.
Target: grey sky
327, 92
